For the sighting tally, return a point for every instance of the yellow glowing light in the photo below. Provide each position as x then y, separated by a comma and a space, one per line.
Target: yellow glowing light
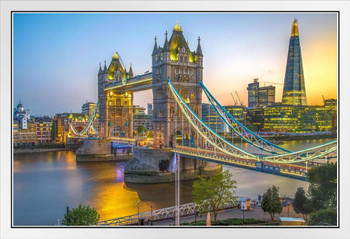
110, 93
115, 56
177, 27
173, 56
295, 29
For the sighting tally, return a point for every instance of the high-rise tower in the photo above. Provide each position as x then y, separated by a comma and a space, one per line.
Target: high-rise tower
294, 85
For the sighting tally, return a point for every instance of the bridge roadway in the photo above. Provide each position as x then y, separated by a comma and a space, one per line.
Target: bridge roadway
137, 83
297, 171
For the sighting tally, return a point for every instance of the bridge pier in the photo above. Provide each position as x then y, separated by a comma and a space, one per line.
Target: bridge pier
152, 166
94, 150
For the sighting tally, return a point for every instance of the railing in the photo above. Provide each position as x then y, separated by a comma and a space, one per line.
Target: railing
159, 214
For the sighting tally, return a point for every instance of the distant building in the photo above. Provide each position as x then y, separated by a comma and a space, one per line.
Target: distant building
24, 137
88, 108
138, 110
24, 130
300, 119
144, 120
253, 94
255, 118
22, 116
212, 119
260, 96
236, 111
149, 109
140, 117
43, 129
331, 105
294, 85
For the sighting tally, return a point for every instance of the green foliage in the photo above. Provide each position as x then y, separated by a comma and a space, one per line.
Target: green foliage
214, 193
271, 201
323, 186
323, 217
301, 203
140, 129
226, 222
81, 216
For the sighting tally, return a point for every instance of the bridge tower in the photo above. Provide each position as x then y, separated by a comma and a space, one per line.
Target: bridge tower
185, 69
115, 105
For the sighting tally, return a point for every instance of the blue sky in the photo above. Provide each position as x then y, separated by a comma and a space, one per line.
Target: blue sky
57, 56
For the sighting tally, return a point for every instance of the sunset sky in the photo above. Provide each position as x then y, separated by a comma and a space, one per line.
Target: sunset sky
57, 56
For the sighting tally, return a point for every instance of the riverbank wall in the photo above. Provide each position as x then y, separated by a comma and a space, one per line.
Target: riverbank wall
28, 151
153, 166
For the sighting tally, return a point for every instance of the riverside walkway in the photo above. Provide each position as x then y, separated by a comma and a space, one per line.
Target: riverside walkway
165, 217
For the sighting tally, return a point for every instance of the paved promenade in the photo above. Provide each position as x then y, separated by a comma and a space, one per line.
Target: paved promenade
255, 212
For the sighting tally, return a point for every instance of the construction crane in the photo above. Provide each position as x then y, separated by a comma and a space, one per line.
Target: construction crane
274, 83
239, 99
234, 100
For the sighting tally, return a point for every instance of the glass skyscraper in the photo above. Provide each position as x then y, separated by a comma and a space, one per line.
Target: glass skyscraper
294, 85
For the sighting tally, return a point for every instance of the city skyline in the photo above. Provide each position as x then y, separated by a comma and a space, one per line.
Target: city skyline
69, 63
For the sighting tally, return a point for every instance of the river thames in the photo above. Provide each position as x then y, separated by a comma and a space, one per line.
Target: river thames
46, 183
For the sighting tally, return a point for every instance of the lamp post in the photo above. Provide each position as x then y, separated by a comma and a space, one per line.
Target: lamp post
243, 218
151, 215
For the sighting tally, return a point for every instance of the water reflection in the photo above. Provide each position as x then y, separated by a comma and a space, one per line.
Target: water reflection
46, 183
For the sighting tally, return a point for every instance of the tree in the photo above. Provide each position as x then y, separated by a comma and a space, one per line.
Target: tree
323, 186
271, 202
323, 217
81, 216
214, 193
140, 129
301, 203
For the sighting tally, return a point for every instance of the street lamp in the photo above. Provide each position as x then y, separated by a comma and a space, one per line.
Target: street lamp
243, 218
151, 215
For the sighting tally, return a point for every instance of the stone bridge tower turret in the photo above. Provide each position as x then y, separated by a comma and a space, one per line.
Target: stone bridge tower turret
185, 69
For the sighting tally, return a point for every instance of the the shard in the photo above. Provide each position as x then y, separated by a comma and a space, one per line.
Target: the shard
294, 84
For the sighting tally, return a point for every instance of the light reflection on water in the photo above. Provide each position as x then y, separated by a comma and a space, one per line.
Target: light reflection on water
46, 183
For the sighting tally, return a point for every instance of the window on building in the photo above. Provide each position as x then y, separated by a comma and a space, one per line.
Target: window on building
193, 95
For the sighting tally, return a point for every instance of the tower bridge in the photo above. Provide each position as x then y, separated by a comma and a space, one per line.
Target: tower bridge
177, 84
116, 86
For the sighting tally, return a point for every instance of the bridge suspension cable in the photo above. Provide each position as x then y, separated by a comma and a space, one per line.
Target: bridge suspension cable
206, 132
242, 131
320, 151
210, 136
88, 125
